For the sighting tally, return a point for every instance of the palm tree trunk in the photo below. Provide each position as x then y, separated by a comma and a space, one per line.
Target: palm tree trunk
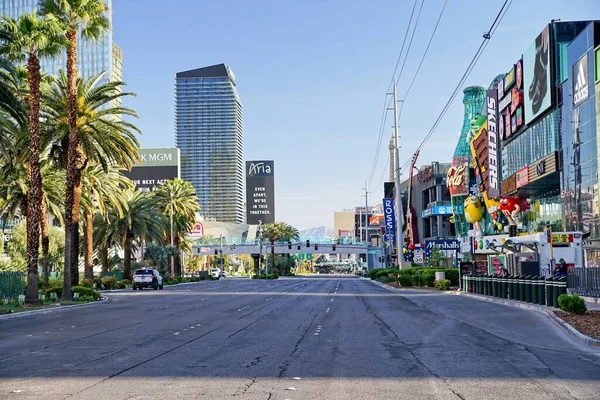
45, 239
127, 255
34, 180
176, 257
88, 243
104, 257
272, 257
70, 215
75, 255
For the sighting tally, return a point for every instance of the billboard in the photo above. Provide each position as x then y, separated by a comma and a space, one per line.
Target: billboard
260, 192
155, 167
457, 178
510, 102
581, 91
493, 179
390, 220
537, 76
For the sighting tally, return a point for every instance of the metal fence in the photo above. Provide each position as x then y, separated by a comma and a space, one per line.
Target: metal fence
584, 281
12, 284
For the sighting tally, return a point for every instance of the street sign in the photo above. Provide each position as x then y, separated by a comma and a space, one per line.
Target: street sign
309, 256
300, 256
418, 257
373, 252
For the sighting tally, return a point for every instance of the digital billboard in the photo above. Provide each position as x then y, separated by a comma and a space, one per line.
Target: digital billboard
510, 102
155, 167
537, 76
260, 192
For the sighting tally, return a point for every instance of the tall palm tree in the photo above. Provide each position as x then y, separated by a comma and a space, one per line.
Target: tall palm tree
31, 39
89, 18
178, 197
278, 232
101, 190
104, 137
10, 105
142, 220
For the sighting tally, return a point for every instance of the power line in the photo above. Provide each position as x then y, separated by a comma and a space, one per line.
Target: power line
487, 36
386, 102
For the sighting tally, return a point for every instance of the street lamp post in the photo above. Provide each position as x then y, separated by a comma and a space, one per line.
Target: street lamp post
221, 249
259, 244
172, 240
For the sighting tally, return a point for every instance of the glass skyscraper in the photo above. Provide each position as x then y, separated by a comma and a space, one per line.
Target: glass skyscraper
94, 57
209, 135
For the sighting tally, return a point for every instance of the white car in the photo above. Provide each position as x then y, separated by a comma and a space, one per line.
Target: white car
217, 273
147, 277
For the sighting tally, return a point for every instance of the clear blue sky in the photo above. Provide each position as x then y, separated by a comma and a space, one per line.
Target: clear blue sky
313, 74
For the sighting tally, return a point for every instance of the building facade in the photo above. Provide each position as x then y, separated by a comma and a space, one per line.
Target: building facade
344, 224
209, 135
93, 58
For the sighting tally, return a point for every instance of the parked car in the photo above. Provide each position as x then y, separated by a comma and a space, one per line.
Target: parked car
147, 277
223, 274
215, 272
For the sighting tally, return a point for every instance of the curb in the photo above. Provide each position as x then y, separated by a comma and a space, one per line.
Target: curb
102, 300
566, 327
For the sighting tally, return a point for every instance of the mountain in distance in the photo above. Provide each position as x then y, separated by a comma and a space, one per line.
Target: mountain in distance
318, 231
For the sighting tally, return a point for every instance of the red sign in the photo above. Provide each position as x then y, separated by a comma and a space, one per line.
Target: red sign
457, 178
522, 177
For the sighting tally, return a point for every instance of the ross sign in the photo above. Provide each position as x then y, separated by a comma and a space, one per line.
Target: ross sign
390, 219
156, 166
493, 181
509, 185
260, 192
580, 81
436, 210
522, 177
544, 167
537, 74
457, 178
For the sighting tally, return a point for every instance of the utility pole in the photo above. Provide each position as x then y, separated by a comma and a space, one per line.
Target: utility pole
399, 211
259, 244
367, 223
172, 239
221, 249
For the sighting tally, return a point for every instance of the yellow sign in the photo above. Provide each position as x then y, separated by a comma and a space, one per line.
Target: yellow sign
561, 238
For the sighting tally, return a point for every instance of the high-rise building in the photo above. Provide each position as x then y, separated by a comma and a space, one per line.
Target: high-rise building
94, 57
209, 135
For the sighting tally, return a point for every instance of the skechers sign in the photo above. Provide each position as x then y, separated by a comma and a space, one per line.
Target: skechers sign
390, 220
493, 148
260, 192
580, 81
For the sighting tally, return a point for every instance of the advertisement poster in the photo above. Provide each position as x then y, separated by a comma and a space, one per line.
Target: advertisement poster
457, 178
260, 192
537, 76
581, 91
390, 220
155, 167
496, 263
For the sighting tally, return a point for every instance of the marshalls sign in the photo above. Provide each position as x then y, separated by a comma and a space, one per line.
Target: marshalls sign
260, 192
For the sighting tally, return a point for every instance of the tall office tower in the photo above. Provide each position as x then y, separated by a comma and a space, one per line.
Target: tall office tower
209, 135
94, 57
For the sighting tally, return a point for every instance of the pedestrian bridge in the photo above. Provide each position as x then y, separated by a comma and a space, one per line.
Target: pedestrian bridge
280, 248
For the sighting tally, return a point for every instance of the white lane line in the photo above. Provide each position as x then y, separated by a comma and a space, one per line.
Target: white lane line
327, 309
176, 333
332, 300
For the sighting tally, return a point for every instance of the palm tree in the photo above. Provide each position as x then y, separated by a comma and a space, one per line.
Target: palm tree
89, 18
141, 220
104, 138
177, 197
31, 39
101, 189
277, 232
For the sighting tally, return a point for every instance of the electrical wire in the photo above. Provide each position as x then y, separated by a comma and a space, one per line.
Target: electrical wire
482, 46
386, 102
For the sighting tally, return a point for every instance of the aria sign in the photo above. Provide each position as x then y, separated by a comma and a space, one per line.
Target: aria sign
260, 192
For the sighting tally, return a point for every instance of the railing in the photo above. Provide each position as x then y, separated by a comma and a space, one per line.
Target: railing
584, 281
12, 284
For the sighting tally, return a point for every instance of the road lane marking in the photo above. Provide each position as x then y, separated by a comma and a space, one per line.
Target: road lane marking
176, 333
332, 300
327, 309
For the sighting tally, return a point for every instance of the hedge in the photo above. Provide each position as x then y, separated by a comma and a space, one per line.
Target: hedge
416, 276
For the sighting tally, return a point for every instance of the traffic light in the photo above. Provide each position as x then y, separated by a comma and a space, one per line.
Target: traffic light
333, 247
233, 247
289, 246
308, 243
216, 252
316, 246
299, 247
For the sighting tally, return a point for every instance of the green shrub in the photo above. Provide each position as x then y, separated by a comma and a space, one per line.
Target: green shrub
386, 279
97, 282
127, 282
214, 278
442, 284
405, 280
109, 282
121, 285
87, 282
86, 299
427, 278
203, 277
85, 291
573, 304
452, 275
195, 279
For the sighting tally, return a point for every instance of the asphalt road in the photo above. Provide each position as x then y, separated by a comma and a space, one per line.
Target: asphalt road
298, 338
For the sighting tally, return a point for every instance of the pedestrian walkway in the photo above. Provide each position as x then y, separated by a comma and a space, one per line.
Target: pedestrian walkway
518, 303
